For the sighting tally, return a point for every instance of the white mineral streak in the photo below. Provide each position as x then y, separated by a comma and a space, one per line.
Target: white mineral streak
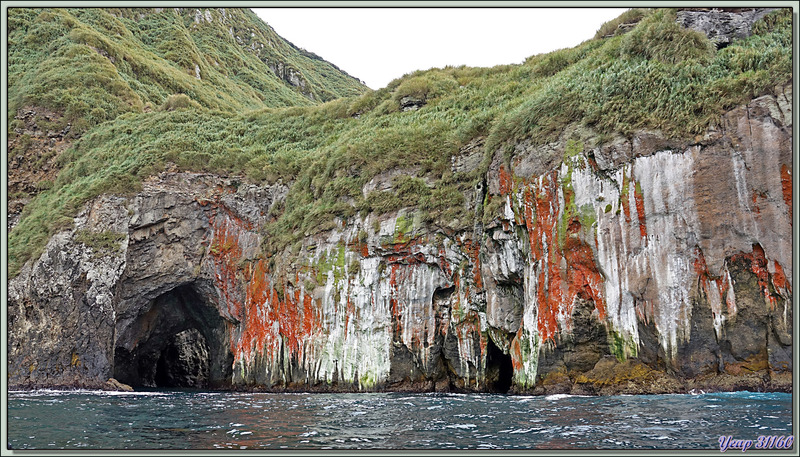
747, 223
656, 271
714, 295
528, 337
506, 262
508, 211
355, 347
672, 225
615, 240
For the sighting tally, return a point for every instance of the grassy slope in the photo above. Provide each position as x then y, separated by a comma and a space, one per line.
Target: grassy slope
95, 64
613, 85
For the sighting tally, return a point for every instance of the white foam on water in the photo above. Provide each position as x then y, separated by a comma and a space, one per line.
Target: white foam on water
463, 426
555, 397
103, 393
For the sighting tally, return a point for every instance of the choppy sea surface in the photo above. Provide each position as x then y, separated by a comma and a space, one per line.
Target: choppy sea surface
47, 419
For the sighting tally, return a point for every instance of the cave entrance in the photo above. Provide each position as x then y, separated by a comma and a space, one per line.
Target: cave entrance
179, 341
499, 370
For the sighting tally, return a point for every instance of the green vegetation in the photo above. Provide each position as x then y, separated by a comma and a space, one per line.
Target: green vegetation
611, 27
403, 227
335, 263
622, 347
94, 64
328, 152
657, 76
100, 241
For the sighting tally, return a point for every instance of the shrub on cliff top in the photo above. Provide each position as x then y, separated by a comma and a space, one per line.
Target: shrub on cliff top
612, 27
178, 101
660, 37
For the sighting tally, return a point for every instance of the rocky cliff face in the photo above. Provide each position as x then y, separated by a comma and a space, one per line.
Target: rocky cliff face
638, 265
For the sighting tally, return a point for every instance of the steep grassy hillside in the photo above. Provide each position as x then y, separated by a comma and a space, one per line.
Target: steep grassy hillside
71, 69
656, 76
94, 64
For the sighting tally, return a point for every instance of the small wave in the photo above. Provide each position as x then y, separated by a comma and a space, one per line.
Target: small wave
463, 426
102, 393
563, 396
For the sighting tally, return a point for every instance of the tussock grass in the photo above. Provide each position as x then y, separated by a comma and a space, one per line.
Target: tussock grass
76, 60
326, 153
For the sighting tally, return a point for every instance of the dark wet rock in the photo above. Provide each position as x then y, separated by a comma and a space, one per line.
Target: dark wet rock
409, 103
114, 385
184, 361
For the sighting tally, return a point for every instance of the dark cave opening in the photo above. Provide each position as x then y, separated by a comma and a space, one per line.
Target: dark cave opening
184, 361
499, 369
179, 341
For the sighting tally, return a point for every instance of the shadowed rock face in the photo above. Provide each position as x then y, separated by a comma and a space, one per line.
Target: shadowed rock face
641, 265
184, 361
167, 345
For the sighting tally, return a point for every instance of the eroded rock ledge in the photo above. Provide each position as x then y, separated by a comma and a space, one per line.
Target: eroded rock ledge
641, 265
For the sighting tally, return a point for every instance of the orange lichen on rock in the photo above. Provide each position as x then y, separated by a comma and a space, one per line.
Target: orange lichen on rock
394, 304
505, 180
447, 269
713, 288
786, 185
626, 205
257, 331
779, 277
226, 253
584, 278
567, 271
516, 352
473, 250
759, 266
295, 314
639, 199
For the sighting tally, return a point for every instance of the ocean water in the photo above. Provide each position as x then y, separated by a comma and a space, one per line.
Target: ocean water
47, 419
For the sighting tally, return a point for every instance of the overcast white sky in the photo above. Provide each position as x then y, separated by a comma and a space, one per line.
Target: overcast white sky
378, 45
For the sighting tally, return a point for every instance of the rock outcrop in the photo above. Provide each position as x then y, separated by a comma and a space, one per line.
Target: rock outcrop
642, 264
721, 25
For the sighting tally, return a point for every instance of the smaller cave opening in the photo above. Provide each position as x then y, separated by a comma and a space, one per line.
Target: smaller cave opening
499, 369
